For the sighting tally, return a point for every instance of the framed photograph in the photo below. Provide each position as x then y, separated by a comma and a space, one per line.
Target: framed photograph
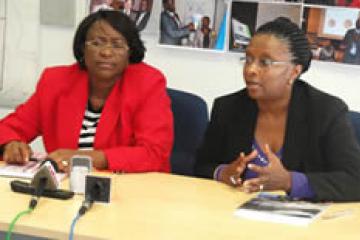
334, 33
138, 10
340, 3
190, 23
247, 16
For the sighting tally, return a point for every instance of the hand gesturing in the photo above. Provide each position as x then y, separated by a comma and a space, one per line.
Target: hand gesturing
271, 177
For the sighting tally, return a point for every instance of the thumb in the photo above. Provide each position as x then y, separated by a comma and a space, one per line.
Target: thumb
270, 155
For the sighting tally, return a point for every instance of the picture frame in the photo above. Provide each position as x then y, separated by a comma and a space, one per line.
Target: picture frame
330, 28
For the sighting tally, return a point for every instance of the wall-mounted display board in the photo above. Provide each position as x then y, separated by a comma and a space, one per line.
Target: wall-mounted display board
227, 25
333, 30
333, 26
247, 16
334, 33
189, 23
138, 10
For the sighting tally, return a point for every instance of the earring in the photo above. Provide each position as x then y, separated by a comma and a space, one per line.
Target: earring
290, 82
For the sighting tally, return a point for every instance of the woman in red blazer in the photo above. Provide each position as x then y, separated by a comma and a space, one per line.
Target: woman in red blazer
133, 130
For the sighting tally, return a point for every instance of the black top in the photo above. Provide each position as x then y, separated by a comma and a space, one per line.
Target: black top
319, 140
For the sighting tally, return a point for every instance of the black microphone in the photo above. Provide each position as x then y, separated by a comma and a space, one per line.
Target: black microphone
45, 177
44, 183
85, 206
92, 194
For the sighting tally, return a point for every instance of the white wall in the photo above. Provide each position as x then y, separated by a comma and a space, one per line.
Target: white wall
212, 74
30, 47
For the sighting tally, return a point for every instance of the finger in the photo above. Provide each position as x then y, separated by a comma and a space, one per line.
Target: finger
239, 181
239, 159
66, 165
250, 156
270, 155
9, 156
235, 180
238, 164
63, 165
254, 185
250, 186
16, 155
6, 157
242, 159
241, 165
25, 153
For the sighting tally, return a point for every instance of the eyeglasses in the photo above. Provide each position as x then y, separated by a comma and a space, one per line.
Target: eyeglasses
117, 46
262, 62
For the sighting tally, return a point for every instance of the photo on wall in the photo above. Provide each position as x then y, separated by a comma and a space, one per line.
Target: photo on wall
138, 10
247, 16
340, 3
190, 23
334, 33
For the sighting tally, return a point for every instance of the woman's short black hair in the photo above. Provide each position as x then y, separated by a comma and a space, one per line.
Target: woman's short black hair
285, 29
121, 23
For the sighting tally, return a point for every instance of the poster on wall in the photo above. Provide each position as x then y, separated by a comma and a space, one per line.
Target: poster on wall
138, 10
189, 23
334, 33
247, 16
340, 3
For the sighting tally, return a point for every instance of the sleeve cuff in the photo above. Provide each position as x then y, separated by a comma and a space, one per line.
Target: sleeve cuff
218, 170
300, 187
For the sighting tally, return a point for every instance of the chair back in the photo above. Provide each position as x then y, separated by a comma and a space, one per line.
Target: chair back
355, 120
190, 122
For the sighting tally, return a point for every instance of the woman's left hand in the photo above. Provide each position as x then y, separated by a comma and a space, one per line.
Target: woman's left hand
271, 177
62, 158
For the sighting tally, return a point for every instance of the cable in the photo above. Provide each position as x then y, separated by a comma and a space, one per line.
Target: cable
85, 206
71, 235
12, 224
32, 205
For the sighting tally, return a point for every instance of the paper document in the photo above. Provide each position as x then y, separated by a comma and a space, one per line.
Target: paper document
27, 170
277, 208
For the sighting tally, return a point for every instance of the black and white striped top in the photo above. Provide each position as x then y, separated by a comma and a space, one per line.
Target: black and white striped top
88, 129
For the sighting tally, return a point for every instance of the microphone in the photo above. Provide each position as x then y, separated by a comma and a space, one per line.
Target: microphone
85, 206
97, 189
44, 183
45, 177
91, 195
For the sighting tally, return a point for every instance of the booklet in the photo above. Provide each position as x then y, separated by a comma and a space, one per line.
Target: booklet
27, 170
280, 209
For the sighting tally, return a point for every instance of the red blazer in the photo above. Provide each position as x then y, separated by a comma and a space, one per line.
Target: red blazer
135, 130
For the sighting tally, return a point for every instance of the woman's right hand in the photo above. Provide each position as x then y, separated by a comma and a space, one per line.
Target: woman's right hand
16, 152
232, 172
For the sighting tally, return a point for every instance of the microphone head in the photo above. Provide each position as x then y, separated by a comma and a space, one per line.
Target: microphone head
46, 171
52, 162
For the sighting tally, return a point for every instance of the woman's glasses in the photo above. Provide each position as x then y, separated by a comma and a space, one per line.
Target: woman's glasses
117, 46
262, 62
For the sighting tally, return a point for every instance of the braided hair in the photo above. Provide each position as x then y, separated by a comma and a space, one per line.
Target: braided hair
284, 29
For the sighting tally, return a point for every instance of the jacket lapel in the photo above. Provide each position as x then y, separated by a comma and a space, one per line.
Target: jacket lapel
243, 124
71, 110
109, 116
297, 130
